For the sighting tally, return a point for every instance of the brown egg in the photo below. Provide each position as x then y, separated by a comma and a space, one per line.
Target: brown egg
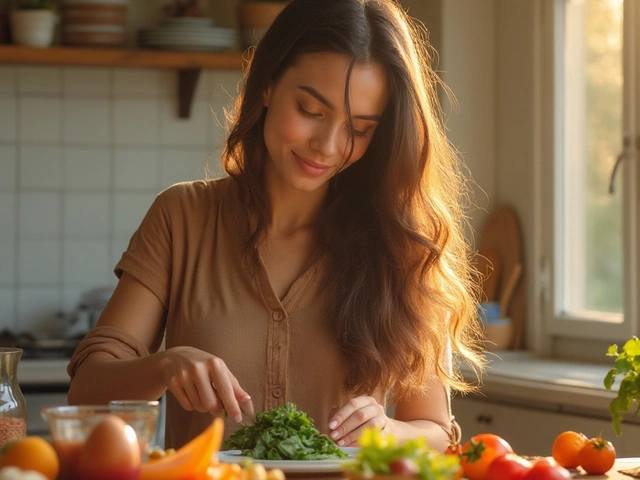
111, 451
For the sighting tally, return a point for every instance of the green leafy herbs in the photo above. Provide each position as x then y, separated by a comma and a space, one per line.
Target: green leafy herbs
381, 455
628, 366
283, 433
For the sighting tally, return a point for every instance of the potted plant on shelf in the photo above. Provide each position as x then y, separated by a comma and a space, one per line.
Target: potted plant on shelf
33, 23
255, 17
627, 365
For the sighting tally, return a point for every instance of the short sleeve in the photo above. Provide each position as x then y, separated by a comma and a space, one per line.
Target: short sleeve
148, 257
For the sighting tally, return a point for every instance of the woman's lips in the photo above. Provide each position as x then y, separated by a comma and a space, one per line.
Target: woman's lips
311, 168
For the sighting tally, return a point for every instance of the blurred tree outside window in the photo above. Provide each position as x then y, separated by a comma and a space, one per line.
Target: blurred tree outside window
590, 233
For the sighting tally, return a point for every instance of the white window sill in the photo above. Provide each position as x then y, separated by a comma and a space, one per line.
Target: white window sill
521, 378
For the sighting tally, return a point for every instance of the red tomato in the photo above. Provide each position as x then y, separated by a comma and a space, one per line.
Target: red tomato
547, 469
597, 456
453, 449
508, 466
478, 453
566, 447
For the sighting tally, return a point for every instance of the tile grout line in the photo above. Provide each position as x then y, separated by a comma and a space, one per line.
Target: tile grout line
16, 207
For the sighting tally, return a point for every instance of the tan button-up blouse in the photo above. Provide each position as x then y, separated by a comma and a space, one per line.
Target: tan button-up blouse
187, 251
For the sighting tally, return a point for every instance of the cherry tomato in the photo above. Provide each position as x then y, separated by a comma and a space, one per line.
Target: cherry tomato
403, 466
508, 466
597, 456
478, 453
453, 449
547, 469
566, 447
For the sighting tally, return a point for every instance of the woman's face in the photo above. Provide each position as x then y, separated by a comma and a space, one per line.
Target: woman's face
306, 128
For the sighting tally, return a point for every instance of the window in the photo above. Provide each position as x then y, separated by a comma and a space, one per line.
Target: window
589, 115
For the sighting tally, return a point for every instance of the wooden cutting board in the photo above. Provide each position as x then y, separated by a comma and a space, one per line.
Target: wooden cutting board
501, 233
488, 265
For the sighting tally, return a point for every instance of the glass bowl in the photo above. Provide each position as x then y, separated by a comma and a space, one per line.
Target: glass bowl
70, 426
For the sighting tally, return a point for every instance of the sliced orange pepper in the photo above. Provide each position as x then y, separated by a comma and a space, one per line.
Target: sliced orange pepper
189, 462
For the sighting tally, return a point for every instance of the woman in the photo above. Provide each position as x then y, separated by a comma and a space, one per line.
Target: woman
329, 269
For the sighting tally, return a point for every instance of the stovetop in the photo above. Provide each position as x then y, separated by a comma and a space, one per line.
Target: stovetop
41, 346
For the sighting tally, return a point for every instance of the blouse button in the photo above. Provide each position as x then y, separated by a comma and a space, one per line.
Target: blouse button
277, 315
276, 392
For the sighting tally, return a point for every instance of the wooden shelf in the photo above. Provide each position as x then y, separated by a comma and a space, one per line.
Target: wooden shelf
188, 64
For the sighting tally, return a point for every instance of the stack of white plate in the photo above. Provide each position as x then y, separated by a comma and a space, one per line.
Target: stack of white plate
187, 33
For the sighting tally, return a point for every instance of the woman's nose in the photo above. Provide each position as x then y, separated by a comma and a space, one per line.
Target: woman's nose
329, 140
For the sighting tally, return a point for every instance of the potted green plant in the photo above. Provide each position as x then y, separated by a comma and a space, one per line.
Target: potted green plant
627, 365
33, 23
255, 17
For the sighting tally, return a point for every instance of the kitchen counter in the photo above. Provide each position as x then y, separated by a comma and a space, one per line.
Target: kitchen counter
36, 372
621, 464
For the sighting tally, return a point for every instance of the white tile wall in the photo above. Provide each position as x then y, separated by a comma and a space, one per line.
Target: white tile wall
39, 215
41, 166
136, 121
8, 79
87, 168
8, 118
7, 308
8, 166
39, 119
33, 79
85, 81
39, 262
83, 153
137, 168
86, 121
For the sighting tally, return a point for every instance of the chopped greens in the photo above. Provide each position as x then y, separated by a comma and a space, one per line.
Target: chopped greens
627, 365
379, 452
283, 433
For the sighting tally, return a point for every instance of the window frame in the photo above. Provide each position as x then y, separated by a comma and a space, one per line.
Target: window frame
552, 324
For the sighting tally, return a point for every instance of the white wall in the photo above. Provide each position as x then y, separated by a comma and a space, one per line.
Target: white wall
465, 35
487, 57
83, 152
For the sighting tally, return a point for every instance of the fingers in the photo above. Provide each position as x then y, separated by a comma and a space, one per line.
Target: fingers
224, 383
203, 382
348, 423
194, 391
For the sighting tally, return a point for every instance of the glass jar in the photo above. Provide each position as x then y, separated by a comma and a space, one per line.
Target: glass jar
13, 408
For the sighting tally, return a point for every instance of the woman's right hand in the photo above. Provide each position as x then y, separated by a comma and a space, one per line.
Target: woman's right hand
203, 382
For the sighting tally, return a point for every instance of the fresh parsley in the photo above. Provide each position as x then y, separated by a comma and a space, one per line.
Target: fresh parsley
628, 366
283, 433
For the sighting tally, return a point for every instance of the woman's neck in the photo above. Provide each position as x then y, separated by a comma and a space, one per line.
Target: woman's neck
292, 210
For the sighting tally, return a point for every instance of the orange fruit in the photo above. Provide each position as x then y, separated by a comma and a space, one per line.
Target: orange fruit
566, 447
191, 460
31, 453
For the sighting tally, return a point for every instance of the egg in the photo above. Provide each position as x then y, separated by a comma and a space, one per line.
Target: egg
111, 451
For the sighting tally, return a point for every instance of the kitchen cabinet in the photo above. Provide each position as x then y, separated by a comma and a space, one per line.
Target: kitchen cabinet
531, 430
187, 64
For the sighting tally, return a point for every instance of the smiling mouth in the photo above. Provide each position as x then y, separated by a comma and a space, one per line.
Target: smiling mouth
311, 168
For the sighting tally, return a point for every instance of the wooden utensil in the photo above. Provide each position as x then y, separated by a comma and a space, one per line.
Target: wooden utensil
489, 268
501, 232
509, 288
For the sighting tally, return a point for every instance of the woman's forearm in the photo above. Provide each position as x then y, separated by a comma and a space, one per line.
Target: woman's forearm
101, 378
435, 434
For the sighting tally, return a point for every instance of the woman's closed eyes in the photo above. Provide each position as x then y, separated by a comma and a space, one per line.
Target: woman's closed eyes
307, 113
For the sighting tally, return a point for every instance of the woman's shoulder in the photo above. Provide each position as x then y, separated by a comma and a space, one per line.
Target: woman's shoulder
198, 192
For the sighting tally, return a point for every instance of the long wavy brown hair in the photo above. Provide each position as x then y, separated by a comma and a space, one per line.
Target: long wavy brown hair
393, 224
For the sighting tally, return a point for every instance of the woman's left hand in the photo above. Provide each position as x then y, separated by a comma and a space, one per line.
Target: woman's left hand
348, 423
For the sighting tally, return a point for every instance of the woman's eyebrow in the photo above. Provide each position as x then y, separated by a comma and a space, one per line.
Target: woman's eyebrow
324, 100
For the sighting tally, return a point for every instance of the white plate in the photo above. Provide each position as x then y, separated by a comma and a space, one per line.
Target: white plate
294, 466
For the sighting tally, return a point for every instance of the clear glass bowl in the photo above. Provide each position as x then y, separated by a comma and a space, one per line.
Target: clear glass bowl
70, 426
